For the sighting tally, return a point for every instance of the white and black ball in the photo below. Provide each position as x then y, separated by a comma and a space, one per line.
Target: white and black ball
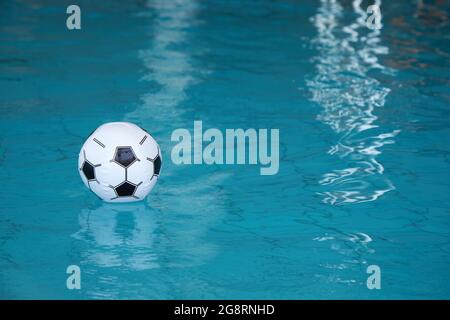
120, 162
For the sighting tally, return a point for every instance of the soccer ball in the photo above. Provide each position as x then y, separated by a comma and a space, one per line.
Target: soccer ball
120, 162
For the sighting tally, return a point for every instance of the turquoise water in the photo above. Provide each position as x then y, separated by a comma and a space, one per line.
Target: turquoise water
364, 155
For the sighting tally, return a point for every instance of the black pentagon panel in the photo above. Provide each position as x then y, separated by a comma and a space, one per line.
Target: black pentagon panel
126, 189
157, 165
125, 156
88, 170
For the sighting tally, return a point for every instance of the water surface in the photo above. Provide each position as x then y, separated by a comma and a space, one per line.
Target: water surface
364, 155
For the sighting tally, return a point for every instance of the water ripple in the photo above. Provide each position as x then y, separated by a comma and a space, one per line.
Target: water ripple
349, 97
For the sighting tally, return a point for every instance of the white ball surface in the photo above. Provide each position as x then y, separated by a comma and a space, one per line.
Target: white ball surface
120, 162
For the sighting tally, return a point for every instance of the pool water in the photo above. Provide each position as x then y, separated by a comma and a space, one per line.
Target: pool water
364, 126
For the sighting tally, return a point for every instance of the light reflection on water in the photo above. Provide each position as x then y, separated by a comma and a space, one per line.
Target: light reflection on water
117, 242
166, 64
349, 97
